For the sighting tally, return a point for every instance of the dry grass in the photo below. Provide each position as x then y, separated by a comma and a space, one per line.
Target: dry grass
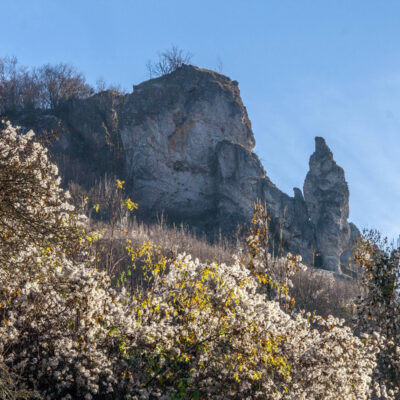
313, 290
172, 240
320, 291
180, 239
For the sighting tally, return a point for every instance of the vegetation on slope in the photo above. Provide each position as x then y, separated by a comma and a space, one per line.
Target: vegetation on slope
192, 329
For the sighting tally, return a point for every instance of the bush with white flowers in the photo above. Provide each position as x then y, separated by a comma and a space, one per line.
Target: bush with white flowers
59, 318
378, 309
194, 330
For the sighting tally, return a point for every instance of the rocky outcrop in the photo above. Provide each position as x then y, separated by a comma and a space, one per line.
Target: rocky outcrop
183, 143
314, 225
327, 198
171, 129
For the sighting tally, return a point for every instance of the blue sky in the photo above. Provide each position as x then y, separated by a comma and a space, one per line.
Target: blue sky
305, 69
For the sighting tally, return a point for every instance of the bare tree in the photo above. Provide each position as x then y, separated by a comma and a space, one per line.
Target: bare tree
20, 89
9, 87
220, 65
61, 82
23, 89
168, 61
100, 85
31, 89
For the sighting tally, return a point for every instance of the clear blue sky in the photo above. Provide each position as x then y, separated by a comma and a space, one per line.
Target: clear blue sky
305, 68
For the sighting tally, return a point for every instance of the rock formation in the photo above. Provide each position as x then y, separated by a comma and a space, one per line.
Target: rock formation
183, 143
327, 198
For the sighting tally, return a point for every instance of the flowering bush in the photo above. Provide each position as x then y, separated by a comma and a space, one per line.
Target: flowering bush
59, 318
195, 330
212, 330
378, 309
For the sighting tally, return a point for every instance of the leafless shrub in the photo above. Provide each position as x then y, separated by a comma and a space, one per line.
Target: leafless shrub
101, 86
168, 61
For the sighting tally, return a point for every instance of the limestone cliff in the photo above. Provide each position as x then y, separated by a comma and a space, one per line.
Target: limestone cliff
327, 198
183, 143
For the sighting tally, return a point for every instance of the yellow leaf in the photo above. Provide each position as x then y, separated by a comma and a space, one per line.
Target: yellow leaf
130, 205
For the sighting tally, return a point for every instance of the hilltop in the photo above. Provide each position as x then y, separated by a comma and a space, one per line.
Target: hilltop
183, 143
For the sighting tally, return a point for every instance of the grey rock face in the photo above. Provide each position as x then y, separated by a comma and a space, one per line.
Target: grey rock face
170, 128
242, 181
238, 184
327, 199
183, 143
346, 258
